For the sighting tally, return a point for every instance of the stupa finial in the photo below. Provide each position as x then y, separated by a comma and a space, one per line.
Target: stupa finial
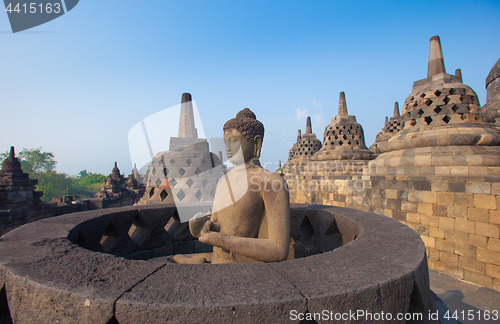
436, 62
299, 135
342, 105
12, 153
308, 126
186, 123
396, 109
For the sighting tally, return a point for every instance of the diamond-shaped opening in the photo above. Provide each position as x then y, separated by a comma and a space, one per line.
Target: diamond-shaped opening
182, 171
349, 142
172, 161
198, 195
463, 98
455, 108
446, 119
422, 95
446, 100
138, 232
151, 192
437, 93
345, 136
415, 104
463, 116
452, 91
197, 171
153, 171
357, 142
340, 143
80, 240
340, 132
109, 238
172, 182
212, 192
181, 195
420, 112
306, 229
189, 162
428, 120
190, 182
413, 122
158, 182
437, 110
163, 195
428, 102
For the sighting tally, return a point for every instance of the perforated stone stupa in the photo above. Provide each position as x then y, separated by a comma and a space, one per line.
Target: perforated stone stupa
307, 145
343, 138
16, 188
442, 127
188, 171
491, 110
391, 127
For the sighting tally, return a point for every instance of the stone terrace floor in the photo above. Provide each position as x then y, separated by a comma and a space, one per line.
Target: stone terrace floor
463, 296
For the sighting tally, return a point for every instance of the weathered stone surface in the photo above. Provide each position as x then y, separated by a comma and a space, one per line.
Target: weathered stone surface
240, 293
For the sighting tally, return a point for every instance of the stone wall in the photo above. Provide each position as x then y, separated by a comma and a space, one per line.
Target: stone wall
457, 216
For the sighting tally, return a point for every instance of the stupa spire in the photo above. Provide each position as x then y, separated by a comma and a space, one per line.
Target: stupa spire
396, 110
308, 126
342, 105
186, 123
299, 135
436, 62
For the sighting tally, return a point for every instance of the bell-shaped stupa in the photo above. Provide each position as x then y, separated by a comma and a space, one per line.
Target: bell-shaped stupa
307, 144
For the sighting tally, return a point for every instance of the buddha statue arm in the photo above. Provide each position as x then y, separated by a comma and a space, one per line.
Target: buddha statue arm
269, 249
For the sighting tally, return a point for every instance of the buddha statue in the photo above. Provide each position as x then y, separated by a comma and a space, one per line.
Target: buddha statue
250, 220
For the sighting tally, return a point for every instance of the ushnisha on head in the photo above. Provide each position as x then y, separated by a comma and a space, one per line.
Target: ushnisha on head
245, 133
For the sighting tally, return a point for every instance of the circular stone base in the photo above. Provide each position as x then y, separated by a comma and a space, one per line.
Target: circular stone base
48, 276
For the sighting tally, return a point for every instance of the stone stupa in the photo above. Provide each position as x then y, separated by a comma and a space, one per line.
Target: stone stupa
187, 171
443, 130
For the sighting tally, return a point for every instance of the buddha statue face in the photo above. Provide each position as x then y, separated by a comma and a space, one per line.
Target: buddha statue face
240, 149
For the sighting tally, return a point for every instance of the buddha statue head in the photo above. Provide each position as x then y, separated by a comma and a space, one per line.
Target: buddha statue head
243, 137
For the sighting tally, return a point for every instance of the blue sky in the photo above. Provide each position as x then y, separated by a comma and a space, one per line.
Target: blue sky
77, 84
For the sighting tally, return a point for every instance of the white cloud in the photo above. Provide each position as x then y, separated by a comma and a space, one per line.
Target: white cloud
300, 114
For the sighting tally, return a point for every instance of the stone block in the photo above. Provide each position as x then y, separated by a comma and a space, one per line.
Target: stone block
453, 271
399, 215
415, 196
428, 241
445, 246
478, 187
496, 284
433, 254
464, 199
442, 170
464, 225
457, 211
493, 244
413, 218
495, 188
478, 240
445, 198
493, 271
439, 186
447, 258
425, 208
479, 279
488, 256
393, 204
479, 170
485, 229
494, 217
485, 201
436, 232
446, 223
429, 197
459, 170
471, 264
429, 220
391, 194
456, 187
456, 236
478, 214
439, 210
465, 250
409, 206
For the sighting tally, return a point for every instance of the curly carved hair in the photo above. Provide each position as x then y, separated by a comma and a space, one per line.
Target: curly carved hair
246, 123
